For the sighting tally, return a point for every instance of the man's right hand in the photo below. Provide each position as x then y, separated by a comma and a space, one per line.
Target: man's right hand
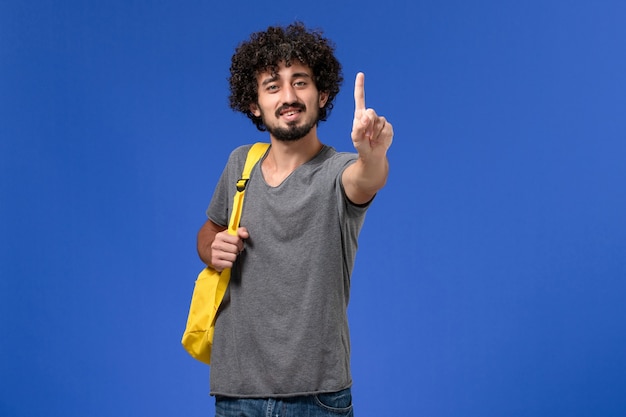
217, 248
226, 247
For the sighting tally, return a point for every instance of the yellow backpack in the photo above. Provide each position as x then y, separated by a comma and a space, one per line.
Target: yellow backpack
211, 285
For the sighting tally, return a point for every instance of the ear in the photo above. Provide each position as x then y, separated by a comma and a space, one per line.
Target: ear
254, 109
323, 99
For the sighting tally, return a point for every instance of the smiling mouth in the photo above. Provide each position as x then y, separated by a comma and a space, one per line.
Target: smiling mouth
289, 111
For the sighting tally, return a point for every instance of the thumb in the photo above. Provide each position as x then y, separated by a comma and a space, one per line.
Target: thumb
242, 232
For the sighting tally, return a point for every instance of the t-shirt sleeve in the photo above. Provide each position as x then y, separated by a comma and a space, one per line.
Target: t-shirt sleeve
217, 211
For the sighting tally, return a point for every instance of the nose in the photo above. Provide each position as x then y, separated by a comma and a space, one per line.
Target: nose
289, 94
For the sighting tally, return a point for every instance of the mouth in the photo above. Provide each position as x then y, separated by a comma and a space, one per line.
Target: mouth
289, 113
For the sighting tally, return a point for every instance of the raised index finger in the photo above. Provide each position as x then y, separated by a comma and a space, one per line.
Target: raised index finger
359, 92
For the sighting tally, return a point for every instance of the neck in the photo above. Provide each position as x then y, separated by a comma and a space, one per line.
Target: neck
284, 157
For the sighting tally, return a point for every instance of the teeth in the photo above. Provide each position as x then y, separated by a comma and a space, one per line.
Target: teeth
290, 113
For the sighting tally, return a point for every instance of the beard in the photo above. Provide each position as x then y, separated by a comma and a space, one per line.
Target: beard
293, 131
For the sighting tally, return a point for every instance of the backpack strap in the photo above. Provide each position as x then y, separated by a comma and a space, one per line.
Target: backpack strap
254, 154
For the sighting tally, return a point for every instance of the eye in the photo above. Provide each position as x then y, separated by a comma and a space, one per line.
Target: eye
300, 84
271, 88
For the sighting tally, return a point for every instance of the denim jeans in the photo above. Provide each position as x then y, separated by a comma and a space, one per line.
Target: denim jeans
336, 404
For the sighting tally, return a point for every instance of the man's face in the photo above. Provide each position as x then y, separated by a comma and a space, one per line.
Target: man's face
288, 101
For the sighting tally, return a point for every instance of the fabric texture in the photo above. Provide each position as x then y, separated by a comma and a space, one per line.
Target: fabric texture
282, 328
335, 404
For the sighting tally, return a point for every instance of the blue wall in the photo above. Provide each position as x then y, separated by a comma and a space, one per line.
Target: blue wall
492, 268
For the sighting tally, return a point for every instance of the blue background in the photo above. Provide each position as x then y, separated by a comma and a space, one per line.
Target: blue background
491, 275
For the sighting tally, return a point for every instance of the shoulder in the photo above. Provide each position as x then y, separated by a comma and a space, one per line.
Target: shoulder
239, 154
237, 159
336, 159
337, 162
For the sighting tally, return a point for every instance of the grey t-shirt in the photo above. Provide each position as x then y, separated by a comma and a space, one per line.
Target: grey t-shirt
282, 329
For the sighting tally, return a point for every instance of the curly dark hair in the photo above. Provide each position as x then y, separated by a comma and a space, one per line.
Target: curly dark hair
265, 50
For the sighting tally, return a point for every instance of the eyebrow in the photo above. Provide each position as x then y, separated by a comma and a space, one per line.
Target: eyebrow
269, 80
275, 77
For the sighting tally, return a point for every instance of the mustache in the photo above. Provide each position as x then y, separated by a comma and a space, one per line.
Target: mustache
284, 107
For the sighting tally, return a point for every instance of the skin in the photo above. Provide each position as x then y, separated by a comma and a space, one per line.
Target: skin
290, 99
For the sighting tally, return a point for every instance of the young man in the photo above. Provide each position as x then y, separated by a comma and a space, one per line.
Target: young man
281, 344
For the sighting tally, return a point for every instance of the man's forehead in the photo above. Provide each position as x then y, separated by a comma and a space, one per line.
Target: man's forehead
285, 69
